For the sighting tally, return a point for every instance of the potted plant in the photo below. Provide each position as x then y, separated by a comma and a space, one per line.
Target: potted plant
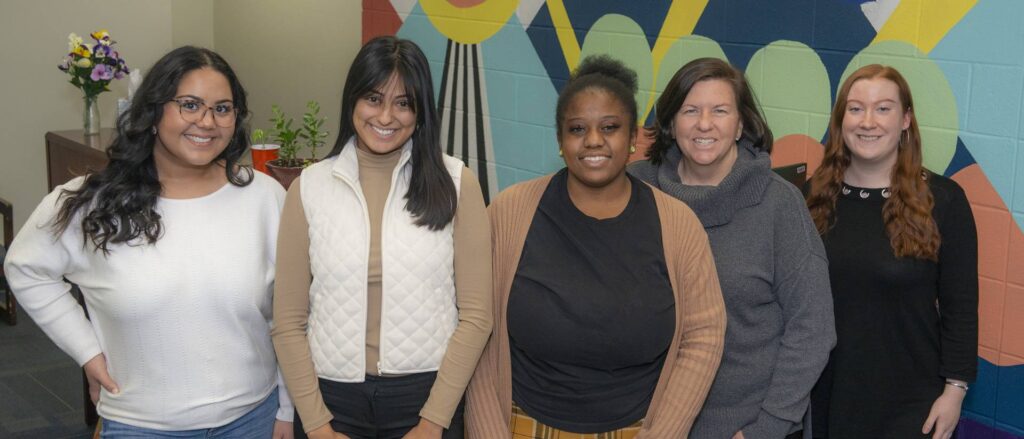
291, 141
262, 152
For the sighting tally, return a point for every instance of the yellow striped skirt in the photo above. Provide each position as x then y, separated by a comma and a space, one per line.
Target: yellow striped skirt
523, 426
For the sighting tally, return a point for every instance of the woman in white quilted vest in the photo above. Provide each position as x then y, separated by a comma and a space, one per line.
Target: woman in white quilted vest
383, 297
172, 246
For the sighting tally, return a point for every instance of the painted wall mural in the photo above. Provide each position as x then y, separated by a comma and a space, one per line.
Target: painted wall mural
498, 66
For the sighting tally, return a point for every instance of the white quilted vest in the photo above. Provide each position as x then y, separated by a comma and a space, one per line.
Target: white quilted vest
418, 313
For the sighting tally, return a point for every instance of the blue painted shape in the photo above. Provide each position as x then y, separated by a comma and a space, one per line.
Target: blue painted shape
981, 400
545, 42
650, 15
537, 100
962, 158
995, 101
841, 27
1010, 400
739, 54
506, 176
996, 156
520, 143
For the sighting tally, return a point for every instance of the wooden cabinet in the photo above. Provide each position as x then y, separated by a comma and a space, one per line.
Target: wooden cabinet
70, 154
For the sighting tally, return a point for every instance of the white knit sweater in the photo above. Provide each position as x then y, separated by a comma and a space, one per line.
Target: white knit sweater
184, 323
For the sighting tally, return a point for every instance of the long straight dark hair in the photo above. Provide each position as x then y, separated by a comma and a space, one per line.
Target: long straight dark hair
431, 198
120, 201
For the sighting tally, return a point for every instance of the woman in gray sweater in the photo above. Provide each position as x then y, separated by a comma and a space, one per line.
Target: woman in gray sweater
710, 150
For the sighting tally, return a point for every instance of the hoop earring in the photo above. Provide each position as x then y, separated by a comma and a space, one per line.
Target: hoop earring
902, 143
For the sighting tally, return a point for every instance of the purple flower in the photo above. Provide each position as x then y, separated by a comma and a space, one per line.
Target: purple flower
101, 51
65, 64
101, 72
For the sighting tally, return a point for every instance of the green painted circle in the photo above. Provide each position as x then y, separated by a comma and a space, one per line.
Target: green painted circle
684, 50
792, 86
622, 38
934, 103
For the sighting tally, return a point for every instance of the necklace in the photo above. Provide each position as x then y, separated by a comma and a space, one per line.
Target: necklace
866, 193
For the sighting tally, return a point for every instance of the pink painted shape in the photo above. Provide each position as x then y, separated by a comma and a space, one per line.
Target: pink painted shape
1000, 258
991, 300
797, 148
1013, 326
466, 3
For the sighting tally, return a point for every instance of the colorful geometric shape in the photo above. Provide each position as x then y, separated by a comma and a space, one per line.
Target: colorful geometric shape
923, 25
792, 85
622, 38
469, 24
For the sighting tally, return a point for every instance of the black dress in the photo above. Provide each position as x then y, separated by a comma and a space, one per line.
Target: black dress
904, 325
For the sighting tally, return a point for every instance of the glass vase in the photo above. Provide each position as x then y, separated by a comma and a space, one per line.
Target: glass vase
91, 116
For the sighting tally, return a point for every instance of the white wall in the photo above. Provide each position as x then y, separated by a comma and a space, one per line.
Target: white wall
284, 52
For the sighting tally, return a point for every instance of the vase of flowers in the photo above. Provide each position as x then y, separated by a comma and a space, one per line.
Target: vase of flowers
92, 67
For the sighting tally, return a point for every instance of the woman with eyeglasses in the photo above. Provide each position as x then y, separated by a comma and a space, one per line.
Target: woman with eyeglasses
173, 247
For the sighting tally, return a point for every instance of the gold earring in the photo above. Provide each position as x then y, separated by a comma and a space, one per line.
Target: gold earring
632, 149
560, 152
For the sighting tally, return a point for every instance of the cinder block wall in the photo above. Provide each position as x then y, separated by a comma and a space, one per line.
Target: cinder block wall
498, 66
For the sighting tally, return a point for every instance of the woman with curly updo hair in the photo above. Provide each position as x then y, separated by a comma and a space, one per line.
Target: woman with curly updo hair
903, 261
608, 313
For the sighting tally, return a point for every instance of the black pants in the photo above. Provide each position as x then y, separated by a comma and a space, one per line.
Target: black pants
381, 407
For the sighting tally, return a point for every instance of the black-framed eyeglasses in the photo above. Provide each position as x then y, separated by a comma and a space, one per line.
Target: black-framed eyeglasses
194, 110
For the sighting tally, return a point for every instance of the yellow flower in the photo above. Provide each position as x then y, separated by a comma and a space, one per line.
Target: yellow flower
84, 63
101, 35
74, 41
82, 51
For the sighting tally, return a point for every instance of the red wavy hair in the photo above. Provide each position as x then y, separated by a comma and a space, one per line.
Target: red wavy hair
908, 211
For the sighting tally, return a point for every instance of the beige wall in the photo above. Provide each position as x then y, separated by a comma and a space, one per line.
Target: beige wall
37, 98
288, 53
304, 56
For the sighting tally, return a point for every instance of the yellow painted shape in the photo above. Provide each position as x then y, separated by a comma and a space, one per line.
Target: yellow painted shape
680, 20
564, 31
923, 23
469, 25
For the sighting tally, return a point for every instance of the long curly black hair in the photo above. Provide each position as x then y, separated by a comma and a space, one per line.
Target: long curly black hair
118, 204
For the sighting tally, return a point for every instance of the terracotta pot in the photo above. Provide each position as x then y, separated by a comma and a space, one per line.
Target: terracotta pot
283, 172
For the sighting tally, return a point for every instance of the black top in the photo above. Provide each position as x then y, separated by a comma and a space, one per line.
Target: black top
904, 325
591, 313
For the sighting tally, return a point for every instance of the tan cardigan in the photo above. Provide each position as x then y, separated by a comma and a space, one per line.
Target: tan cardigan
696, 347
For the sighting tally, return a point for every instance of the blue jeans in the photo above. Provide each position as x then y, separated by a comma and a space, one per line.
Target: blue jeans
258, 423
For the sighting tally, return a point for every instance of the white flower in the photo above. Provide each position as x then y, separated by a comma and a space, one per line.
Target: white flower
84, 63
73, 41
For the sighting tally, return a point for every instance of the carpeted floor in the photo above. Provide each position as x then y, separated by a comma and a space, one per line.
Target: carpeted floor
40, 386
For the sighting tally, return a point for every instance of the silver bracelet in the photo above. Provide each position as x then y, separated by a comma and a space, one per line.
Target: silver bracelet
960, 386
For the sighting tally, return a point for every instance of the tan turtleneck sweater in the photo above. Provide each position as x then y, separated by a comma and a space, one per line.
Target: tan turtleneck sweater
472, 294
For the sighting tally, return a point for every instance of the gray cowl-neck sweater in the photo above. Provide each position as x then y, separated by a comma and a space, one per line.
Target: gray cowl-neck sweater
774, 276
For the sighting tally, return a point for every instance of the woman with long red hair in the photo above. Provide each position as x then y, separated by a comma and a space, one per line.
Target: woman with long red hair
903, 262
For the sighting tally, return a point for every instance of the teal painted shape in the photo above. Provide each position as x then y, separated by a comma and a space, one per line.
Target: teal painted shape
990, 35
520, 97
518, 84
417, 27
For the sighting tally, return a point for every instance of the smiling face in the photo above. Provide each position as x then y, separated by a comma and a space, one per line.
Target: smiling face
189, 146
595, 138
873, 121
384, 118
707, 126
